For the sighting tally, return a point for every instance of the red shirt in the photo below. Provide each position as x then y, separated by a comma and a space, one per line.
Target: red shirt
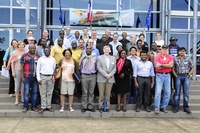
163, 60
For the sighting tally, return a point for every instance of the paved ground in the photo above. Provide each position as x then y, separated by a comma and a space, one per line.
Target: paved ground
100, 125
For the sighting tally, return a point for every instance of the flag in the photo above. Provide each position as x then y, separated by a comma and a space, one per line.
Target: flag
64, 21
60, 18
89, 12
120, 12
137, 22
148, 18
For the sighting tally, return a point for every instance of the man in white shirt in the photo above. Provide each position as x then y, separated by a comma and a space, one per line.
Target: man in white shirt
45, 77
115, 43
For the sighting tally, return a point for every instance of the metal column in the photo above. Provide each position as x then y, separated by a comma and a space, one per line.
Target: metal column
168, 21
195, 20
27, 11
163, 22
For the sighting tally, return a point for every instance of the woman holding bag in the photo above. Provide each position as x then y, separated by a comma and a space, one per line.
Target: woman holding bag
69, 66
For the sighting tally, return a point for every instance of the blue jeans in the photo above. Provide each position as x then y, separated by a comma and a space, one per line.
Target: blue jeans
162, 81
185, 82
33, 84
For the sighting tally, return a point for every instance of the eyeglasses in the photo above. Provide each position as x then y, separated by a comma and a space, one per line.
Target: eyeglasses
91, 42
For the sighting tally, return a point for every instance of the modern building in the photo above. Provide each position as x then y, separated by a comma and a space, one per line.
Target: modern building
170, 17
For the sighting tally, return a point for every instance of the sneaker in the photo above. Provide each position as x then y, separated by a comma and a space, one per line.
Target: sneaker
175, 110
24, 110
62, 110
187, 111
163, 110
71, 109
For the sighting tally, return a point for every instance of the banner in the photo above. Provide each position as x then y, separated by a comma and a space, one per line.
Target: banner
101, 18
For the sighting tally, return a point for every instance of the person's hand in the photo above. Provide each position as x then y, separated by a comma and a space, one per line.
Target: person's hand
53, 79
108, 76
39, 82
23, 79
136, 85
121, 76
14, 75
152, 85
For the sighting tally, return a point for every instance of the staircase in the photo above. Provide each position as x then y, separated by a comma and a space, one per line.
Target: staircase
9, 109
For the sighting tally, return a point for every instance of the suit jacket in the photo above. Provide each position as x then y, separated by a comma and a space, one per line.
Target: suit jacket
103, 70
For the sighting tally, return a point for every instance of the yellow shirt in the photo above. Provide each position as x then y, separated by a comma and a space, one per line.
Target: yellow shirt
76, 54
56, 53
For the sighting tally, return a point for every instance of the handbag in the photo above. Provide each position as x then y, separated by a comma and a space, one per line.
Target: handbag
58, 72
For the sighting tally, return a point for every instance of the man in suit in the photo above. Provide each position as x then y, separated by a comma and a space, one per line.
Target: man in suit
106, 66
104, 43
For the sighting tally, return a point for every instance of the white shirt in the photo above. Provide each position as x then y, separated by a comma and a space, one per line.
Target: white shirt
46, 66
160, 43
114, 46
66, 43
107, 61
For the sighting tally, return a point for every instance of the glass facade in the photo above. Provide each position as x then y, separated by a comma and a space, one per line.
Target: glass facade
13, 18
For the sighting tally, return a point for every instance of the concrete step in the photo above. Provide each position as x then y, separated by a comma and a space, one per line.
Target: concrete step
97, 114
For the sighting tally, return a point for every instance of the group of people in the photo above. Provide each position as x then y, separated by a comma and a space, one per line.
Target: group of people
84, 63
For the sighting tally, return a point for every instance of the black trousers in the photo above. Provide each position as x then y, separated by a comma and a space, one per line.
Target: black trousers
11, 83
144, 91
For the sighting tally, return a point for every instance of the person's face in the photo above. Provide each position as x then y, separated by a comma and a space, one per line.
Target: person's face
182, 52
133, 38
124, 35
68, 31
88, 50
104, 38
30, 33
90, 43
106, 51
133, 52
44, 42
108, 33
94, 34
119, 48
47, 52
32, 48
85, 31
61, 34
173, 42
60, 42
142, 38
77, 34
164, 51
143, 56
81, 43
139, 44
158, 36
14, 44
115, 38
74, 45
21, 46
123, 54
45, 33
154, 47
67, 54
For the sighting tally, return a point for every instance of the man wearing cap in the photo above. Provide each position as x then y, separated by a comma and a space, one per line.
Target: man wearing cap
173, 47
164, 64
31, 40
183, 68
